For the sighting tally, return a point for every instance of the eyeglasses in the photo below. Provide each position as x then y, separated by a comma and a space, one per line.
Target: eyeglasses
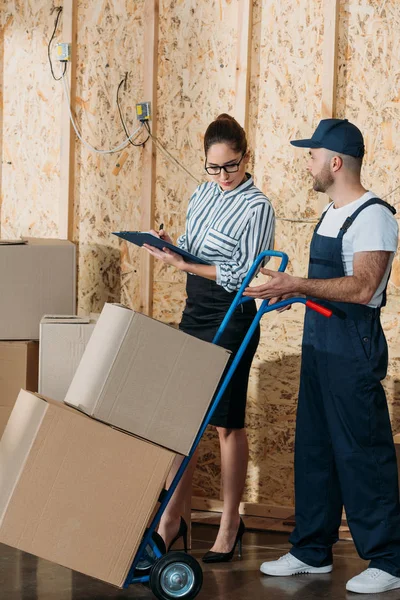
232, 168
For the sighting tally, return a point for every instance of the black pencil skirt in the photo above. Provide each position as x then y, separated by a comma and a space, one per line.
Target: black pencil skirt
206, 305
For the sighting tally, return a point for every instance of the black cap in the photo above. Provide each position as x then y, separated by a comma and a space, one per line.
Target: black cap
338, 135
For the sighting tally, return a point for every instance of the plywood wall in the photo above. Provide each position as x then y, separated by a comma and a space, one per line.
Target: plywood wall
285, 103
107, 186
197, 51
30, 122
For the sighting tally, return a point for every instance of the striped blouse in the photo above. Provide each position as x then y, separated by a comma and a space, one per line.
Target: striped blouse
229, 229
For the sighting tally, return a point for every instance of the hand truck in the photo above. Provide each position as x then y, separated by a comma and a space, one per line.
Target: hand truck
176, 574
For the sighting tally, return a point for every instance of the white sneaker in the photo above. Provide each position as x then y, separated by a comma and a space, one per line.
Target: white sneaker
373, 581
290, 565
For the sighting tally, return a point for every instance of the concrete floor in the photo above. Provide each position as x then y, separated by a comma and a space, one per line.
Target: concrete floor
23, 577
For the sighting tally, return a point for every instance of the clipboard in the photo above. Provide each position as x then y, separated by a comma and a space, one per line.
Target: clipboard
142, 237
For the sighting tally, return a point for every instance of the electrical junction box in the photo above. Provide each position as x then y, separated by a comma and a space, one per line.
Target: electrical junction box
63, 52
143, 111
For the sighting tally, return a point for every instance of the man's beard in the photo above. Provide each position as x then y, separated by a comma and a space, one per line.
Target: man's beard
323, 180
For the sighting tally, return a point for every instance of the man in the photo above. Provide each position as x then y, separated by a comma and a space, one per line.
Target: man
344, 451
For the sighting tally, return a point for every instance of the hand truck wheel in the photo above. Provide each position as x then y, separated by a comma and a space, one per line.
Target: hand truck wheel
176, 575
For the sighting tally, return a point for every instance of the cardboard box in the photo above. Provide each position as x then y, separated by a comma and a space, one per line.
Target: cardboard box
5, 412
63, 340
147, 378
76, 491
18, 369
37, 278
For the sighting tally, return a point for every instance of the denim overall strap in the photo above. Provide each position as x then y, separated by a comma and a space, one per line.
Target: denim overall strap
350, 220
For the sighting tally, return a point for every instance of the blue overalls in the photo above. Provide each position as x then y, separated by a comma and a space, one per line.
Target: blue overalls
344, 450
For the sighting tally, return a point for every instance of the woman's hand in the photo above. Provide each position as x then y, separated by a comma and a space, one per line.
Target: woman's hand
162, 234
166, 256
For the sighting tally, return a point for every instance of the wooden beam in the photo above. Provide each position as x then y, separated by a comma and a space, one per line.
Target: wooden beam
261, 523
246, 508
67, 144
330, 51
243, 62
151, 17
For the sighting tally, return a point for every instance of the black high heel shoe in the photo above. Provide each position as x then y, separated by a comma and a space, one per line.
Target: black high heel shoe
215, 557
182, 533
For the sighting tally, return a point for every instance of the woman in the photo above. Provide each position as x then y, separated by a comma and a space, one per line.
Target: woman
229, 222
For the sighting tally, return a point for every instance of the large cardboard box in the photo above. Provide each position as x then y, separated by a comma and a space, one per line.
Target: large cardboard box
76, 491
37, 278
18, 369
147, 378
63, 339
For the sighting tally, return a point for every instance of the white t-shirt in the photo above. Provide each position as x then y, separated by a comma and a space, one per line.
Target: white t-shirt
375, 228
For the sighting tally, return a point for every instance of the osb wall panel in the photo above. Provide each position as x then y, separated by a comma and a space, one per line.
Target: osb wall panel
107, 186
284, 104
30, 122
285, 100
196, 75
196, 81
368, 92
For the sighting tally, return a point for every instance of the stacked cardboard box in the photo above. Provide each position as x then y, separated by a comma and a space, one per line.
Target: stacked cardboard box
76, 490
63, 339
37, 276
147, 378
18, 369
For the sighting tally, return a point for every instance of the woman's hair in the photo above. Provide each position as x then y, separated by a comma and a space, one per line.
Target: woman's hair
225, 130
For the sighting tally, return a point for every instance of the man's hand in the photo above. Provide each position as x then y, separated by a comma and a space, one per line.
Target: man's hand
368, 271
279, 285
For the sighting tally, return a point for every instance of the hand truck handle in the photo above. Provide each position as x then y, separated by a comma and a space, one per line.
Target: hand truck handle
260, 258
239, 298
326, 312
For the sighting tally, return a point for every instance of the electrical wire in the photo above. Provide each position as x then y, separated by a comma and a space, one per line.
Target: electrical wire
316, 220
122, 118
140, 128
178, 164
390, 193
297, 220
169, 155
89, 146
59, 9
